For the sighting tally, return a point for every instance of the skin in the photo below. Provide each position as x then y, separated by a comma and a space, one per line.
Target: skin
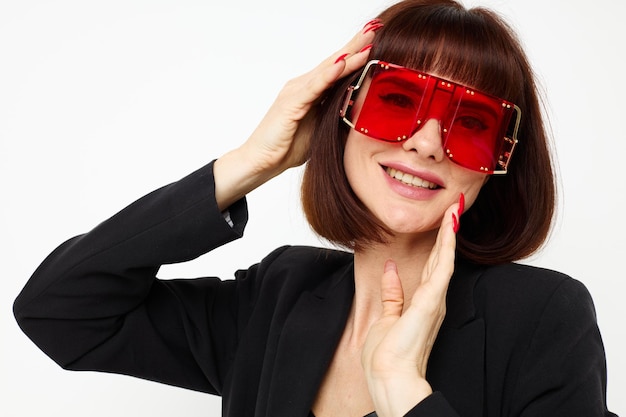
407, 210
380, 363
398, 344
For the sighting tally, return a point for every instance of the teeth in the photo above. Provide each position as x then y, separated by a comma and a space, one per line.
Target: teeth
410, 179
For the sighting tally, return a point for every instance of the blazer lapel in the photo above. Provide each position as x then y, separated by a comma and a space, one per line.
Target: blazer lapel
456, 366
307, 344
314, 326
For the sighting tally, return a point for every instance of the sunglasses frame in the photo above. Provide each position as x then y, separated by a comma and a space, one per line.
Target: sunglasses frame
510, 140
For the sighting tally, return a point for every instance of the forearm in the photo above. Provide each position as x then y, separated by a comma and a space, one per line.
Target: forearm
236, 174
90, 282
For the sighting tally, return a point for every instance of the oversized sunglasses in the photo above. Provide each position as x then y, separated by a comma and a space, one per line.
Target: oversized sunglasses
478, 131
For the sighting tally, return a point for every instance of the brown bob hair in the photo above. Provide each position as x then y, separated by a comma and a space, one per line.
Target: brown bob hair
512, 215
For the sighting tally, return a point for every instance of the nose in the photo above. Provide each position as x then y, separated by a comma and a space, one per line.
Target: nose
426, 141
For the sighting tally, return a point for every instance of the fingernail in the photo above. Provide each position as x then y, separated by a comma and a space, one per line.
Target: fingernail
373, 27
455, 223
371, 22
461, 204
341, 58
366, 47
390, 265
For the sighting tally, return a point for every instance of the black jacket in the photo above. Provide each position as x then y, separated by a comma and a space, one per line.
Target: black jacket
516, 340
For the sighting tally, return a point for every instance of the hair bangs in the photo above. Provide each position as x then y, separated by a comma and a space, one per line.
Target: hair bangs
465, 46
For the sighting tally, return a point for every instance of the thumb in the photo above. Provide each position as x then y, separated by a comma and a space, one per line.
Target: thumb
392, 295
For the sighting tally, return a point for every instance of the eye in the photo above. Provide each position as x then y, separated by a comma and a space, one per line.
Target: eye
398, 100
471, 123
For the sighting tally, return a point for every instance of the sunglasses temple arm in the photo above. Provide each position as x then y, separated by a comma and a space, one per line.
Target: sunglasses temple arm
509, 143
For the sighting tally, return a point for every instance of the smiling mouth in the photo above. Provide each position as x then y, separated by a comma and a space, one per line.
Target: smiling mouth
409, 179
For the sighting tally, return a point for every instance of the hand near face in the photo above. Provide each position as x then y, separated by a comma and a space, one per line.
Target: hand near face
281, 140
399, 344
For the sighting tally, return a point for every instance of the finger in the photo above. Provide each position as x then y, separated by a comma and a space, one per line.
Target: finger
358, 42
392, 295
308, 88
346, 60
318, 81
446, 238
440, 264
352, 62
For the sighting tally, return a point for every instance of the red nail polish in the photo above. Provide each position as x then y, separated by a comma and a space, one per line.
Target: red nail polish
366, 47
371, 22
341, 58
461, 204
455, 223
373, 27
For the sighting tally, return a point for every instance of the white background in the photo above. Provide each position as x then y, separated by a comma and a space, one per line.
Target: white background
102, 101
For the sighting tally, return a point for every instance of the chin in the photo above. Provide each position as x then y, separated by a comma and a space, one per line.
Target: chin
410, 225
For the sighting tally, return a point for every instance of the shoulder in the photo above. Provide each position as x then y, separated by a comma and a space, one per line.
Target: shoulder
308, 257
298, 268
521, 282
307, 266
521, 293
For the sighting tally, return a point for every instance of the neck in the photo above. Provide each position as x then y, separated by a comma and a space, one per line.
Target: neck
410, 255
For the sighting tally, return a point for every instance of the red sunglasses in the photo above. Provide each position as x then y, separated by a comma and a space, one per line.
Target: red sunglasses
478, 131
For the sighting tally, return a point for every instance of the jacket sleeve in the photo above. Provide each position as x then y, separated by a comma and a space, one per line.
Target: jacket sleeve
433, 405
95, 303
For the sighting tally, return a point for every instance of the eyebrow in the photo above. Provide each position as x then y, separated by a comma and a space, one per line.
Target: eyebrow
402, 82
481, 106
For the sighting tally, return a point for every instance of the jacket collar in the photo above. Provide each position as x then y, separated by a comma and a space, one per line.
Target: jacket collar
314, 327
308, 342
460, 308
456, 366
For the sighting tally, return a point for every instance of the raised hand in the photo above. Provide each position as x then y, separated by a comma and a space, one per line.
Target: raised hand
397, 348
281, 140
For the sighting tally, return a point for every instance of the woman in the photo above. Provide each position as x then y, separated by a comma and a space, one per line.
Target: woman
412, 124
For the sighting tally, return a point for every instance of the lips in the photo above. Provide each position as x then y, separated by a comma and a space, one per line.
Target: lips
410, 179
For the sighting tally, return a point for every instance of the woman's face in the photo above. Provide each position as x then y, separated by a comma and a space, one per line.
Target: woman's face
408, 185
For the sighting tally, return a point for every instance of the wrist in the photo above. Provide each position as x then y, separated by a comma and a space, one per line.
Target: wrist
396, 397
255, 165
236, 174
